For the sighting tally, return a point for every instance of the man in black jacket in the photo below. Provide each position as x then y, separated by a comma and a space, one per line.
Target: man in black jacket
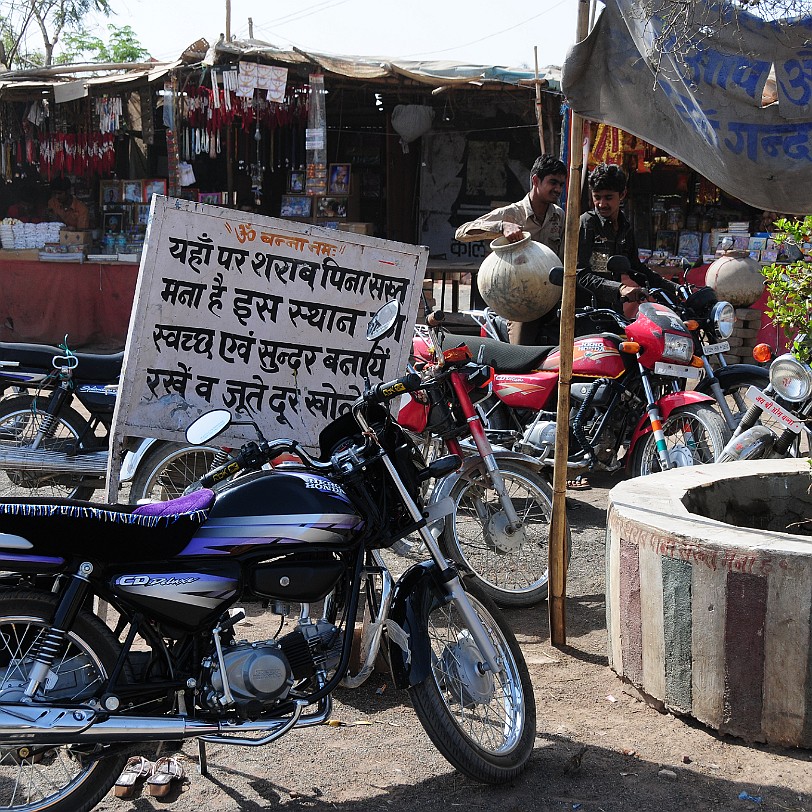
605, 232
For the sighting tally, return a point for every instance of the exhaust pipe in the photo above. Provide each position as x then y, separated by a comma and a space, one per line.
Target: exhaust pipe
38, 725
54, 462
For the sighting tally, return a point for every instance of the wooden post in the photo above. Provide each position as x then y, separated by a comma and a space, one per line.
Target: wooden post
558, 526
229, 127
539, 113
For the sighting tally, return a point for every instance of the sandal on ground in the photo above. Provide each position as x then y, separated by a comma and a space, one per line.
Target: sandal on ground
136, 769
166, 770
580, 483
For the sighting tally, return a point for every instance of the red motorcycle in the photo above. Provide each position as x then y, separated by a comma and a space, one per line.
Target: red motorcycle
628, 406
498, 524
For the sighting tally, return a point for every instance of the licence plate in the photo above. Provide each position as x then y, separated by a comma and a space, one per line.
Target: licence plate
661, 368
715, 349
770, 407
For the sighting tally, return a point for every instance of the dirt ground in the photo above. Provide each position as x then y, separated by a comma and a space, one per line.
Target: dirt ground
598, 748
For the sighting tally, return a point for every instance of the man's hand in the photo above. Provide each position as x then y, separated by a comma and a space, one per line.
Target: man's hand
630, 294
512, 232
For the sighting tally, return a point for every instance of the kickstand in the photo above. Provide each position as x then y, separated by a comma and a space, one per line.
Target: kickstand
203, 765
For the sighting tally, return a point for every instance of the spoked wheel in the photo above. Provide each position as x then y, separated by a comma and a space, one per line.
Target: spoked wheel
483, 723
20, 422
734, 389
694, 435
169, 468
64, 777
509, 564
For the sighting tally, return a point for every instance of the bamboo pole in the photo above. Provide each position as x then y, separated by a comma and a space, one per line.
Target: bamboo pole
558, 526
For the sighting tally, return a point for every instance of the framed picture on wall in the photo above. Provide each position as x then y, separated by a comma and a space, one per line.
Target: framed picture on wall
109, 192
295, 206
132, 191
296, 181
113, 222
331, 207
154, 186
212, 198
338, 179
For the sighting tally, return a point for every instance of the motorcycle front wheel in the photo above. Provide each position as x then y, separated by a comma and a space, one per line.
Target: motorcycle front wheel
64, 777
483, 723
694, 435
168, 469
20, 421
510, 566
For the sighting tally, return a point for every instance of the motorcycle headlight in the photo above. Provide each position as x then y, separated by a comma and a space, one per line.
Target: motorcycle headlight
678, 348
791, 379
723, 316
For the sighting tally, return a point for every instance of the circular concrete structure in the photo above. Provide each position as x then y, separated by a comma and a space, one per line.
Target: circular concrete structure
706, 613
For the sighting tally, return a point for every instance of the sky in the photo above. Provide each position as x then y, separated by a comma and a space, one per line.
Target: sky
483, 32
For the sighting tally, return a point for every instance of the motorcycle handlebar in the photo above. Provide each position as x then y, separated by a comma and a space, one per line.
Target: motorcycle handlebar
386, 391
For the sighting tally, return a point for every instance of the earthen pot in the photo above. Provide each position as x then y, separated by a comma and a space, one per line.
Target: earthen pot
514, 279
736, 277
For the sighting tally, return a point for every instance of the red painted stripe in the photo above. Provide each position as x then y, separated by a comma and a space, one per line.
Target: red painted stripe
744, 653
631, 626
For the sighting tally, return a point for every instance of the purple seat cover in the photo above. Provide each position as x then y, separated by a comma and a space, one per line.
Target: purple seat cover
197, 500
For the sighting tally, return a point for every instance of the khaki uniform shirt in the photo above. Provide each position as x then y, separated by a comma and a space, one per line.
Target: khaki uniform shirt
550, 232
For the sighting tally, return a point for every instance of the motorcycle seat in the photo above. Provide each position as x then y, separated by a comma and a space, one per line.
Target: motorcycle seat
91, 367
507, 357
66, 529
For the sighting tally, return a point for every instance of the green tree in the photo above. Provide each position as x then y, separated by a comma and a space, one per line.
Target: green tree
789, 303
20, 20
122, 46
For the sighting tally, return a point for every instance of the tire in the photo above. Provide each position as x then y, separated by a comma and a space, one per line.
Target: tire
708, 431
484, 725
60, 778
18, 427
511, 570
734, 386
168, 469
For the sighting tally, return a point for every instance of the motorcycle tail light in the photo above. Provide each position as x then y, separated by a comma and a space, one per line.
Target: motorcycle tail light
457, 354
763, 353
678, 347
791, 379
632, 347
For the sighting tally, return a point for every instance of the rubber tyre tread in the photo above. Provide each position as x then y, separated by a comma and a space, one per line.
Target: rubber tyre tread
447, 737
100, 639
67, 415
503, 597
704, 413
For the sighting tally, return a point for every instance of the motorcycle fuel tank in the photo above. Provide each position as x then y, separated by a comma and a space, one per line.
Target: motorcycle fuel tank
593, 357
282, 511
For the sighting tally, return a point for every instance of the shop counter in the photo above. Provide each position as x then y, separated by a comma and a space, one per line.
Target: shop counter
41, 302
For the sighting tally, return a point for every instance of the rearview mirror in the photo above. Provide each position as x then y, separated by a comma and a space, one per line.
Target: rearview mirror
208, 425
383, 321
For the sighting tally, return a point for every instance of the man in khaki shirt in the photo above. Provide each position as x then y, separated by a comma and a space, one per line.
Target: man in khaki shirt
539, 215
65, 207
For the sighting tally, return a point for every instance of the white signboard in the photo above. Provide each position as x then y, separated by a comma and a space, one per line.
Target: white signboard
261, 316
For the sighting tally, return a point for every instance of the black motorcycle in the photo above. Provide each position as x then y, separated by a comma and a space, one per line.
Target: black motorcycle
75, 695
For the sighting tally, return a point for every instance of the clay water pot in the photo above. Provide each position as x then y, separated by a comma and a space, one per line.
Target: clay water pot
514, 279
736, 277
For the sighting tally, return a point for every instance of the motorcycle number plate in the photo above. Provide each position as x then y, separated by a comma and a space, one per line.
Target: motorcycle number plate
677, 371
715, 349
768, 405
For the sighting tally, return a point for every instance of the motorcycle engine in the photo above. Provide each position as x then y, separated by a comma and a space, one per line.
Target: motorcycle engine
260, 674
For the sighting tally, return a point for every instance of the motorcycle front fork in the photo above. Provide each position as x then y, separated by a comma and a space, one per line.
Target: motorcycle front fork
483, 445
656, 422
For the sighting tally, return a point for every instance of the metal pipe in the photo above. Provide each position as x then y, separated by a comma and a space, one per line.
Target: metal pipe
48, 462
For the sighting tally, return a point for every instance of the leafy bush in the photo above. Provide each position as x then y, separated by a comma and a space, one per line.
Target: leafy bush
789, 285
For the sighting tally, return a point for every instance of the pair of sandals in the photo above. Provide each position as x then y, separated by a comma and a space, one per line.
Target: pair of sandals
580, 483
159, 775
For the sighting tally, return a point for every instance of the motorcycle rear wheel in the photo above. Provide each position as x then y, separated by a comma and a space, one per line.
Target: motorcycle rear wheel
484, 724
694, 434
59, 778
511, 569
168, 469
19, 424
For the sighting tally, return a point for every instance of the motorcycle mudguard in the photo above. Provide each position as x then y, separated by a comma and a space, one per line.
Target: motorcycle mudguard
132, 459
666, 405
755, 443
444, 486
727, 375
414, 596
